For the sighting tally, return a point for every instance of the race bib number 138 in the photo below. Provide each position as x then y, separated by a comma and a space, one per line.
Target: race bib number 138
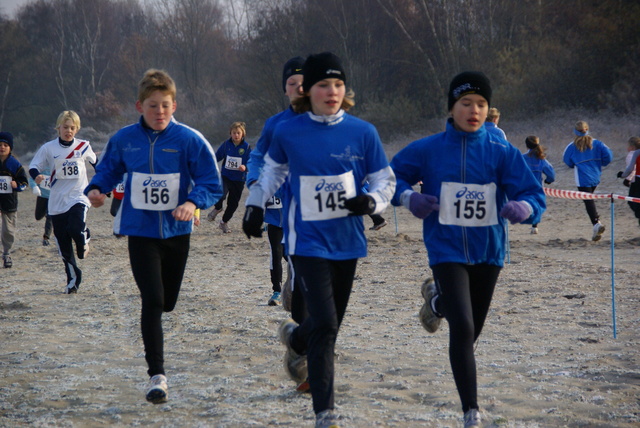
469, 205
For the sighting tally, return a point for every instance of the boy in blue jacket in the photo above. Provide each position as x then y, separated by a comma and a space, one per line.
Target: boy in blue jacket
169, 170
13, 179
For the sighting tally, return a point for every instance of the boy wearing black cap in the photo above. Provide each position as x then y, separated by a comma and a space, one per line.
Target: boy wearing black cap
13, 179
472, 184
292, 87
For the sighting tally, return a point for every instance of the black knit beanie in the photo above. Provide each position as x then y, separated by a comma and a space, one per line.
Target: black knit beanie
293, 66
7, 137
321, 66
469, 82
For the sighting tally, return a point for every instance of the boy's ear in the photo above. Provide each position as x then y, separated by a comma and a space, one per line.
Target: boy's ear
139, 106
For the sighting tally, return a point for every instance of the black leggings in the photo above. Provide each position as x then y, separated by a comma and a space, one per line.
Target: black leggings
70, 227
42, 206
158, 267
275, 234
590, 205
326, 286
234, 190
465, 293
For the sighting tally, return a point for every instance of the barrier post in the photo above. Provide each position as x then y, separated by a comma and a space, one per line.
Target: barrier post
613, 282
395, 218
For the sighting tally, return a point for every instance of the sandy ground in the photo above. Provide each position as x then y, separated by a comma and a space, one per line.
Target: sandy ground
547, 356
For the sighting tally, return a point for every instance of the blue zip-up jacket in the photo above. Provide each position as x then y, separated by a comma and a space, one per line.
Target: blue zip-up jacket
539, 167
12, 167
587, 165
238, 154
138, 149
272, 216
477, 158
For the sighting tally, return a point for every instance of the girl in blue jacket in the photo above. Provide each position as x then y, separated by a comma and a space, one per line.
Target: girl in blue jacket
472, 181
587, 156
325, 155
536, 160
169, 170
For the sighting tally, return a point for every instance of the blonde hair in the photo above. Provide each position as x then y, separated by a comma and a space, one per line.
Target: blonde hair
583, 142
303, 104
635, 142
494, 113
241, 126
156, 80
537, 150
68, 115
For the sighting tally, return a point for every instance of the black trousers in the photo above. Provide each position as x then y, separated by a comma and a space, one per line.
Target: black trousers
70, 227
326, 287
158, 268
590, 205
234, 191
465, 296
275, 234
634, 192
42, 205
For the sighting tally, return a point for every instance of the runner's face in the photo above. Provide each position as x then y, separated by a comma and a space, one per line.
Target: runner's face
293, 87
470, 112
4, 149
326, 96
236, 136
67, 130
157, 110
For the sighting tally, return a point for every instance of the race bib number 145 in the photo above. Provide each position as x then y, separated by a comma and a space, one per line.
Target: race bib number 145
322, 197
469, 205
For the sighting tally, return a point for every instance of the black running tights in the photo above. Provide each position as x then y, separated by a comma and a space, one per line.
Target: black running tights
465, 293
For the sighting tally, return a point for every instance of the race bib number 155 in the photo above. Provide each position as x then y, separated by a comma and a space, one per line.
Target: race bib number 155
469, 205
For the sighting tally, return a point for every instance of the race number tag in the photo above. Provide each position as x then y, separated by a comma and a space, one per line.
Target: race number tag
70, 169
5, 184
469, 205
274, 203
322, 197
233, 162
45, 183
155, 192
120, 187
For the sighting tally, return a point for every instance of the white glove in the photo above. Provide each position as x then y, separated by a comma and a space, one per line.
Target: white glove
36, 191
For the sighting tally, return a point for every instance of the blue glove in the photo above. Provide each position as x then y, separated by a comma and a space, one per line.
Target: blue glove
252, 221
516, 211
422, 205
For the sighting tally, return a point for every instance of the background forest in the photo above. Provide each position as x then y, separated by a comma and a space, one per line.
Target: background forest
226, 57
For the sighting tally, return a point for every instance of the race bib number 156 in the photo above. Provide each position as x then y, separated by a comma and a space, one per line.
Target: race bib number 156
155, 192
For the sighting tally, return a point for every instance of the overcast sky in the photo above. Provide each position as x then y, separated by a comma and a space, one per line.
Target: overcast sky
9, 7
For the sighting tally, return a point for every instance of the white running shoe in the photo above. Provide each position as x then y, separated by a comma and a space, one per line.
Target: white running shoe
534, 230
158, 391
294, 364
429, 319
472, 418
598, 230
327, 419
213, 214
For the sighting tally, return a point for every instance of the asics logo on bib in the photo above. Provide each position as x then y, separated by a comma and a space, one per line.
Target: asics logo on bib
474, 195
329, 187
154, 183
69, 163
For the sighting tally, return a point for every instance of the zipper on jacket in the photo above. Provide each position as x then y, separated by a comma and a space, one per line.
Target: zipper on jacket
152, 144
463, 177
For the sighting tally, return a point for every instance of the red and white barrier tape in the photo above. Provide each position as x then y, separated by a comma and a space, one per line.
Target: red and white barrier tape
572, 194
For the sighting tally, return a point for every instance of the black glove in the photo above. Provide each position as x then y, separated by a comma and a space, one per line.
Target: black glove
361, 205
547, 182
626, 182
252, 221
619, 174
